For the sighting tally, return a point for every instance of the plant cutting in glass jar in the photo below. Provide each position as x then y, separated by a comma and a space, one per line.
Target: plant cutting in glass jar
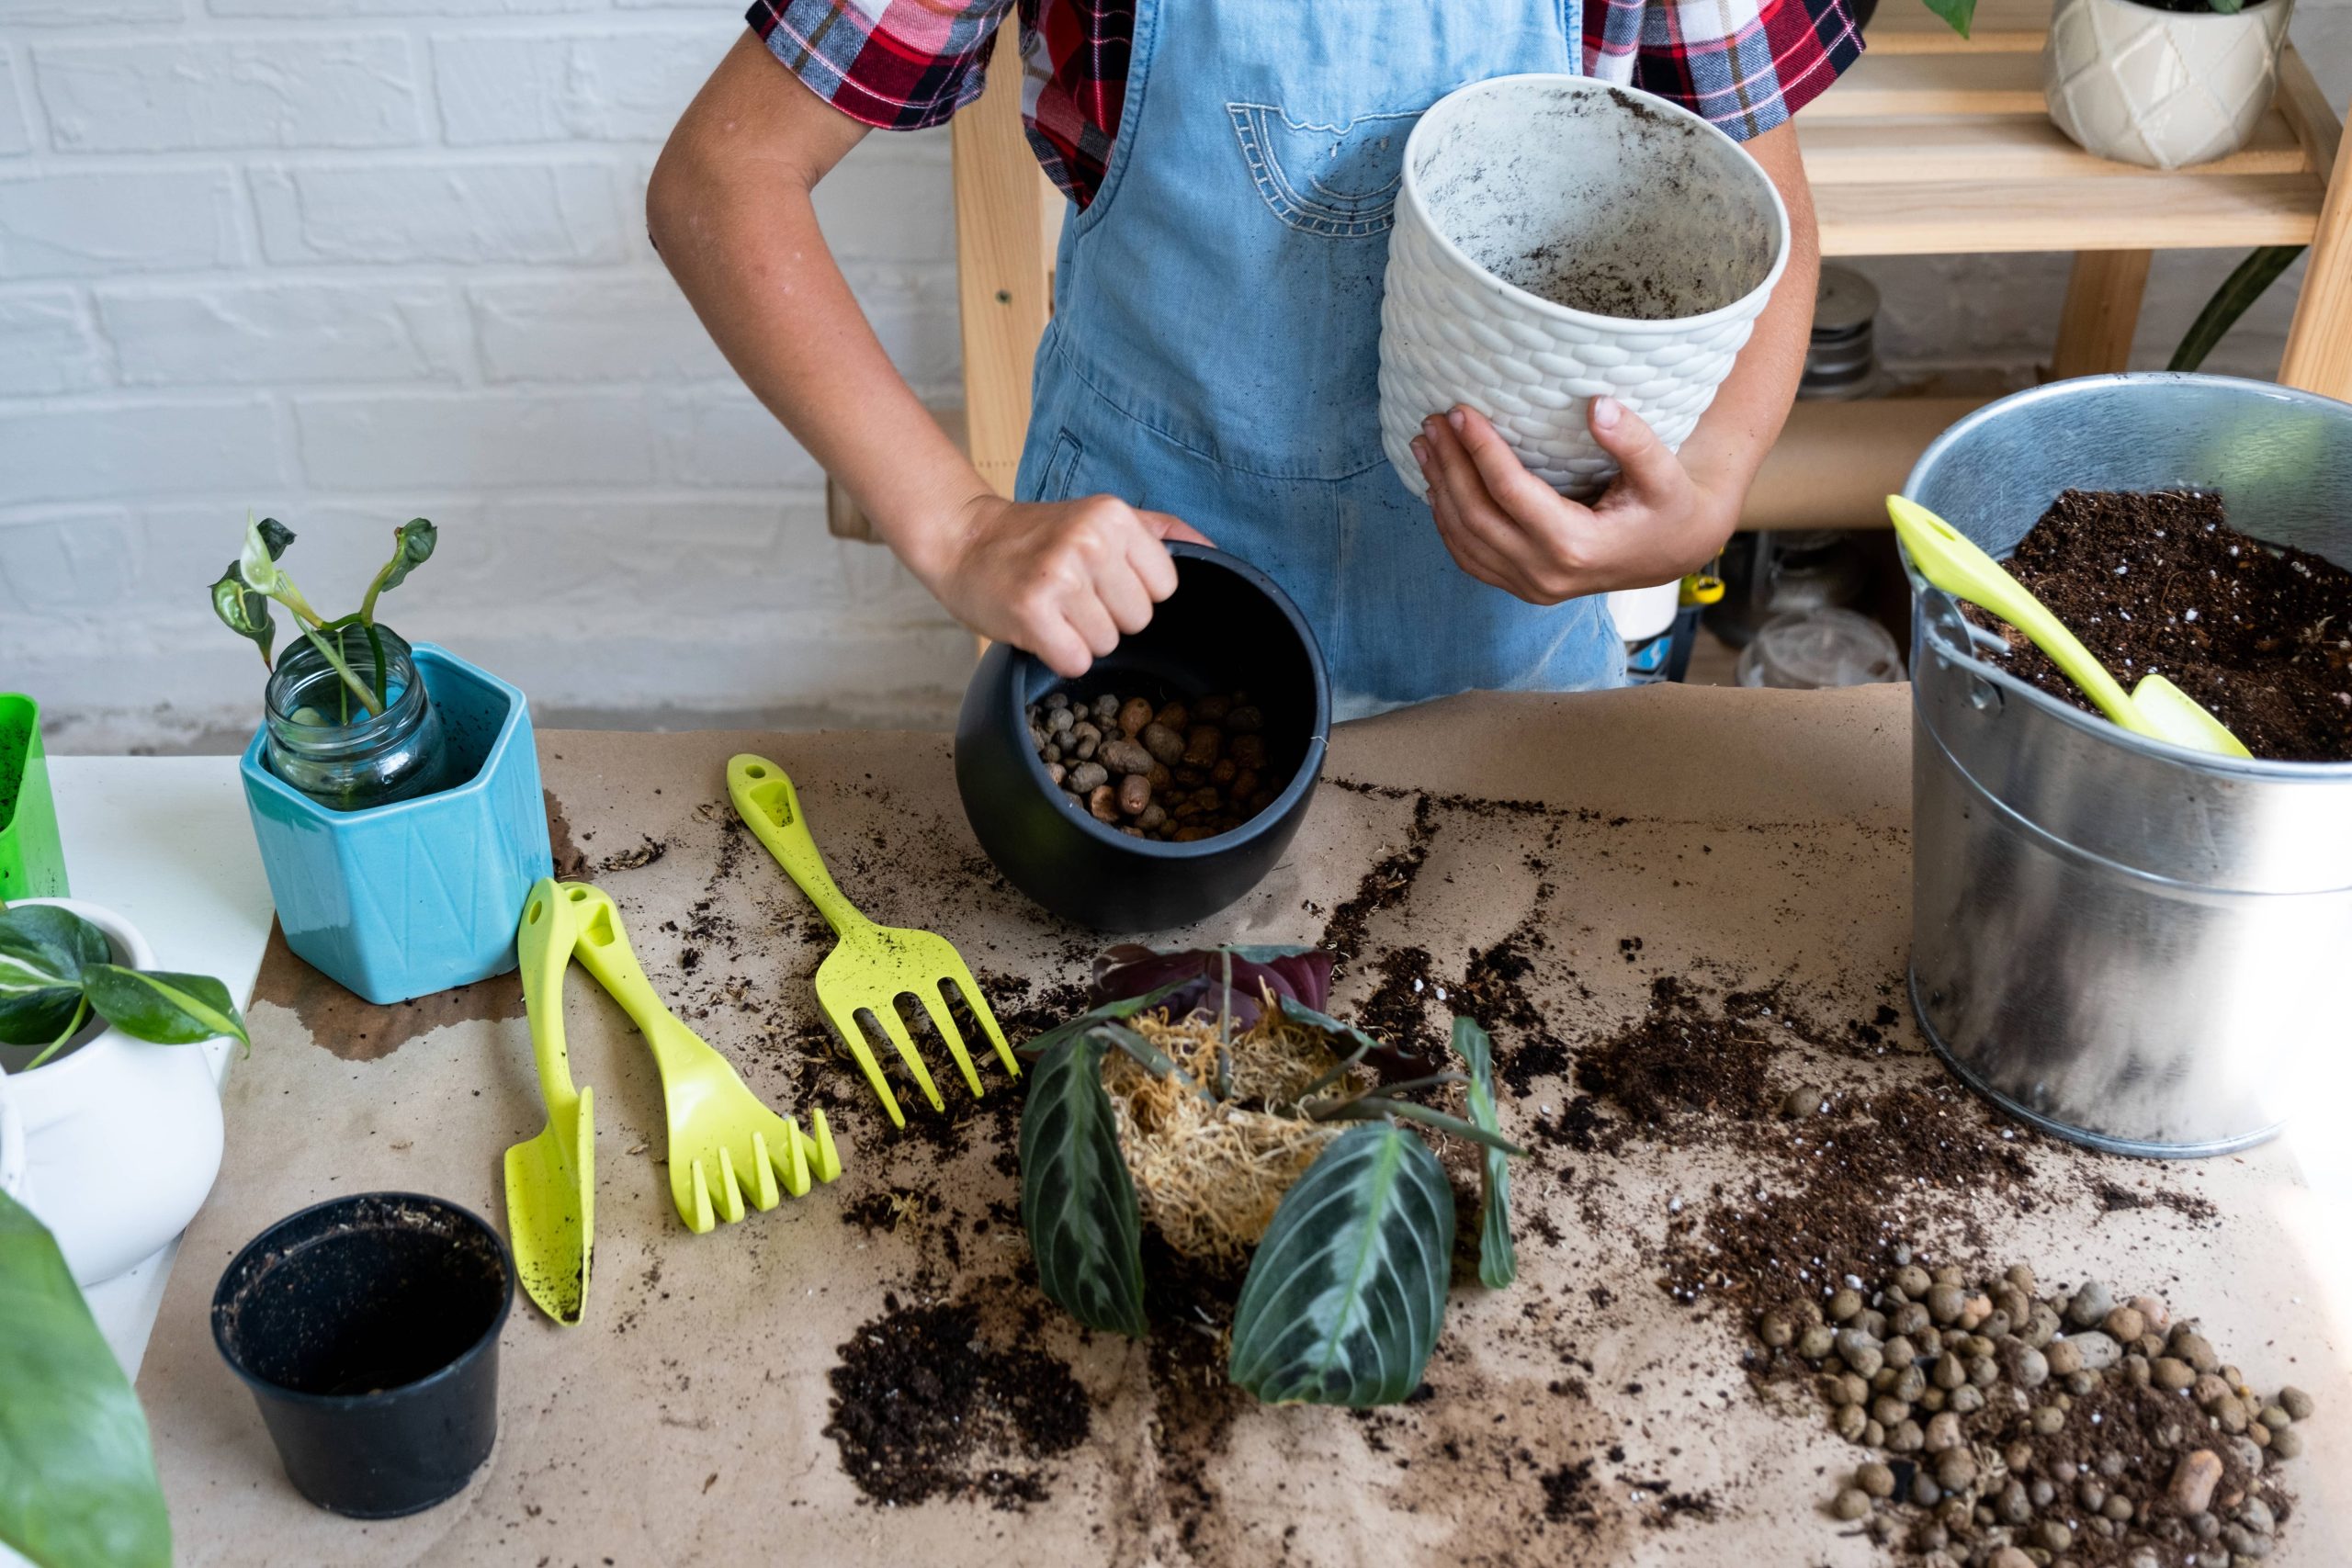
1209, 1095
242, 596
57, 969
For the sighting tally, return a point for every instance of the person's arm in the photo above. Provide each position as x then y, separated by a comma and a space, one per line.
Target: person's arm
1663, 516
730, 208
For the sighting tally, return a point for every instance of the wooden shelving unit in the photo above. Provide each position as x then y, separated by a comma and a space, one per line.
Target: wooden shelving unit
1930, 144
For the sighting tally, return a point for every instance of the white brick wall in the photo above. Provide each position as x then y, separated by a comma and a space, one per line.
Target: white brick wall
350, 261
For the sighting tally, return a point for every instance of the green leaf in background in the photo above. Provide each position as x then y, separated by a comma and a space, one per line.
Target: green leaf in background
1078, 1203
1342, 1302
244, 612
162, 1008
78, 1477
1958, 13
2246, 283
412, 544
43, 951
1497, 1262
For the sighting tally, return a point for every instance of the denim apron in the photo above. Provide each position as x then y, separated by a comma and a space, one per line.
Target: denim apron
1215, 346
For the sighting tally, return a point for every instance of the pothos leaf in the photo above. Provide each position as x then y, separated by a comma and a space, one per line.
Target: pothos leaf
257, 564
1345, 1295
162, 1008
1078, 1203
1498, 1260
243, 611
412, 544
275, 536
1126, 1008
44, 952
77, 1475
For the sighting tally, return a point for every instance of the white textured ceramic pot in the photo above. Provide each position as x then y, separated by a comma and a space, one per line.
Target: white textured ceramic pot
1560, 239
2162, 89
120, 1139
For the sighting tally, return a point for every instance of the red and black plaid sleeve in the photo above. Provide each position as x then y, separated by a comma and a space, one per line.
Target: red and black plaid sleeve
1747, 65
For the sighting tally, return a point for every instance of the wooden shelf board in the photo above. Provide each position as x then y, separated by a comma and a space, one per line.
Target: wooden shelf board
1880, 84
2178, 211
2001, 27
2003, 147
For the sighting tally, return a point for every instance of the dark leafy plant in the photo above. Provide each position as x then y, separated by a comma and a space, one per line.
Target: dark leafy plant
1959, 14
77, 1476
2247, 282
242, 596
1346, 1309
1077, 1201
1344, 1300
56, 970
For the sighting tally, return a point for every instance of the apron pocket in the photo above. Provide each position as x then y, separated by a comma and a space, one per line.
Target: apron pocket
1339, 182
1061, 469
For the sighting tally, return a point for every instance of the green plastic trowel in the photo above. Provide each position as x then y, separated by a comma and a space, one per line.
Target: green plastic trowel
2155, 708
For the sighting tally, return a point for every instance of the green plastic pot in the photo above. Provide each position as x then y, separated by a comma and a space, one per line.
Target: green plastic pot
32, 861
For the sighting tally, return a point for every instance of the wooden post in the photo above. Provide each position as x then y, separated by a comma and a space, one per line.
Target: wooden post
2319, 344
2102, 311
1001, 267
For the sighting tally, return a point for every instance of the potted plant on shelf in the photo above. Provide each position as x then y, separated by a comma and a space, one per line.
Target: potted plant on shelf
120, 1124
1208, 1100
393, 786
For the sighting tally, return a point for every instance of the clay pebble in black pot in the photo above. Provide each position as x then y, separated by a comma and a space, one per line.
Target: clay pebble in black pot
367, 1330
1226, 628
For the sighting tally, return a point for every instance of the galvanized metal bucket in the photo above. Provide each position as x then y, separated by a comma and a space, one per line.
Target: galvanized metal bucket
2125, 944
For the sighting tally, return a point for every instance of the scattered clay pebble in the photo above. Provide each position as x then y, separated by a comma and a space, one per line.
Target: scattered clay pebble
2193, 1480
1851, 1504
1876, 1479
2296, 1403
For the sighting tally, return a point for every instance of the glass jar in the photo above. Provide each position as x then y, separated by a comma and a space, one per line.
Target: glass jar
323, 741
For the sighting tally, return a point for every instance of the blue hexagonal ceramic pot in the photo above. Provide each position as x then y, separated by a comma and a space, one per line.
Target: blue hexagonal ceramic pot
402, 900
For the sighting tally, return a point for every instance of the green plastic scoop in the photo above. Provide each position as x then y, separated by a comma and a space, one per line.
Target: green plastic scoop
2155, 708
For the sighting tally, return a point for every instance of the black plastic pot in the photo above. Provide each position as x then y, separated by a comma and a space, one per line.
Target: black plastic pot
1226, 628
367, 1330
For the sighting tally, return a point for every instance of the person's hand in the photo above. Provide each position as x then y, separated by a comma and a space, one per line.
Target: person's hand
1506, 527
1064, 579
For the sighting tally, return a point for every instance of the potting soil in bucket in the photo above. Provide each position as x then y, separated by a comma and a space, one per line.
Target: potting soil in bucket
2123, 941
367, 1330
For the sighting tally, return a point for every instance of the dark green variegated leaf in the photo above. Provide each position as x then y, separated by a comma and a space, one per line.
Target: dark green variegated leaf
77, 1476
162, 1008
1126, 1008
274, 536
43, 951
1078, 1203
1498, 1260
1343, 1300
244, 612
1958, 14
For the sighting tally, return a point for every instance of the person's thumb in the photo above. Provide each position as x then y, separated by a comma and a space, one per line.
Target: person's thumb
1646, 464
1169, 526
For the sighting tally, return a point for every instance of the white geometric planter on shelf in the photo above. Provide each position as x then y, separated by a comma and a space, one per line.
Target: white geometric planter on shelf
2162, 89
1559, 239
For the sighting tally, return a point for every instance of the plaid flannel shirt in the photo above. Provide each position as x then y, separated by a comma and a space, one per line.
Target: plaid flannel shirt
1747, 65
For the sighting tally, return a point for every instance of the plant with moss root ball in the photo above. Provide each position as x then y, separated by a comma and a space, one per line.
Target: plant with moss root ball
242, 596
1346, 1290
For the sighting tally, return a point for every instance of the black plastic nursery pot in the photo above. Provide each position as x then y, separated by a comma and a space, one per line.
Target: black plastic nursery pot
367, 1330
1226, 628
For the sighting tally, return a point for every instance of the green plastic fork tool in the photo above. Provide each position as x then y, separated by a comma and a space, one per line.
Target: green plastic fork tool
871, 966
724, 1143
552, 1178
2155, 707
